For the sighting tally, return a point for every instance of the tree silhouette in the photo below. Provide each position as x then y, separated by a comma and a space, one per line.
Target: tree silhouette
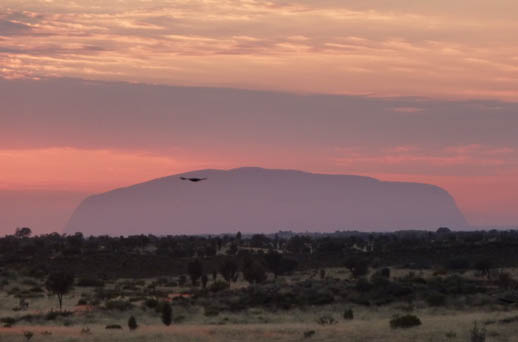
132, 323
195, 270
254, 272
59, 283
23, 232
228, 270
167, 313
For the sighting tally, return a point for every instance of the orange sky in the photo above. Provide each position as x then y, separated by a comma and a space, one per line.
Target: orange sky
98, 94
460, 49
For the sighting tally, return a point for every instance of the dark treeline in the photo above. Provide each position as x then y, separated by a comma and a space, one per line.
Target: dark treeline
230, 273
141, 256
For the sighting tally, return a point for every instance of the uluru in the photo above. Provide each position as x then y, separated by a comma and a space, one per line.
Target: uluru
257, 200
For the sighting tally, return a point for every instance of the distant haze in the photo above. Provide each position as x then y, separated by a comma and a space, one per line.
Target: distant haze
257, 200
68, 135
97, 95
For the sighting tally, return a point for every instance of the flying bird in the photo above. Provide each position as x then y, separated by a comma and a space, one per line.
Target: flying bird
193, 179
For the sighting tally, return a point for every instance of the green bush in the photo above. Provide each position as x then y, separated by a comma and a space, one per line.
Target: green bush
406, 321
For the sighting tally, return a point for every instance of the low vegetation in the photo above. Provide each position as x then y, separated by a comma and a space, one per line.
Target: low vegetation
402, 286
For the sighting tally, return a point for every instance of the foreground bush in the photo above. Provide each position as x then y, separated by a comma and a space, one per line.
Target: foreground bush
167, 314
406, 321
132, 323
348, 314
326, 320
478, 334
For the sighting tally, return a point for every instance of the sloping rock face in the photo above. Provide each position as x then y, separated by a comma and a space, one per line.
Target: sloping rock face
256, 200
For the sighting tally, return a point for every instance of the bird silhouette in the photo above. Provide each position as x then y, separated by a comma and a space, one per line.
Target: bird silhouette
193, 179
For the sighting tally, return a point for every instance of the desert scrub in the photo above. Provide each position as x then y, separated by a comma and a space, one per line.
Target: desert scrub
406, 321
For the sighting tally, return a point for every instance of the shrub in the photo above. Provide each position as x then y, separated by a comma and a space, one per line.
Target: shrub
132, 323
151, 303
8, 320
451, 334
458, 264
167, 314
322, 274
348, 314
477, 334
60, 284
120, 305
211, 311
86, 331
218, 286
204, 280
28, 335
406, 321
90, 282
436, 299
82, 301
195, 270
52, 315
363, 285
385, 272
309, 333
113, 326
326, 320
357, 266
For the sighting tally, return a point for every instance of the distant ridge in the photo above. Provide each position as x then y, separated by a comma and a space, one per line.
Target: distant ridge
257, 200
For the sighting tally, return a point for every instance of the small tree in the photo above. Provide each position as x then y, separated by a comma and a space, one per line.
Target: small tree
228, 270
322, 274
132, 323
23, 232
484, 266
182, 280
167, 313
59, 283
358, 267
204, 280
195, 270
253, 271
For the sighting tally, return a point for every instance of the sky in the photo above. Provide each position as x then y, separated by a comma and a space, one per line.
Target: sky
100, 94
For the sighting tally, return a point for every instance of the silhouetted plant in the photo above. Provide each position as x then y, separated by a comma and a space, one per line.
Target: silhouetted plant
322, 274
348, 314
204, 280
477, 334
132, 323
28, 335
228, 270
60, 283
167, 314
406, 321
254, 272
195, 270
357, 266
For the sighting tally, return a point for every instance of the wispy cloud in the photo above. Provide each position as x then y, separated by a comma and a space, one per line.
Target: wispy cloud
301, 46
